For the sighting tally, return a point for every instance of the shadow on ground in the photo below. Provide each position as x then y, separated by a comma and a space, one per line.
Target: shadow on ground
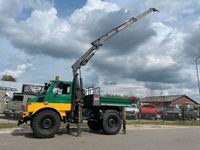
27, 132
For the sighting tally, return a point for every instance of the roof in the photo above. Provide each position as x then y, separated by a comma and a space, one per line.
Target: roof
169, 98
195, 97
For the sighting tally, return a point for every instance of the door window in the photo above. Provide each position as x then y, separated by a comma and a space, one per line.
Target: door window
61, 88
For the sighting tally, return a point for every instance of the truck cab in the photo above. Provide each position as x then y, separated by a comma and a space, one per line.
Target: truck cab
57, 96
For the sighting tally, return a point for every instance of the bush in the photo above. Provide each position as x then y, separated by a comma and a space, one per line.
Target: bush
8, 78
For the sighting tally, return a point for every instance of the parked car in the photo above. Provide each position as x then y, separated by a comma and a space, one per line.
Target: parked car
189, 113
170, 113
132, 112
148, 111
13, 107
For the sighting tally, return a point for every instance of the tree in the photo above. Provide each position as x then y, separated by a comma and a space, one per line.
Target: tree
8, 78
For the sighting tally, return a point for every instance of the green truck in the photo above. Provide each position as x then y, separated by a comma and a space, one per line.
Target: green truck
69, 102
46, 111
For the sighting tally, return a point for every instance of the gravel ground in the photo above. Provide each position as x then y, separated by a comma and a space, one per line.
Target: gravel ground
137, 138
129, 128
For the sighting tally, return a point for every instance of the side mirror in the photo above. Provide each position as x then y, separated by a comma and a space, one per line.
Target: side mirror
46, 87
55, 91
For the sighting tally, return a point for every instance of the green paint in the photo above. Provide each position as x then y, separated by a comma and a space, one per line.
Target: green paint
115, 101
50, 97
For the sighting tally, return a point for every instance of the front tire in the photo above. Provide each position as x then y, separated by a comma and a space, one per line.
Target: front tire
45, 124
111, 123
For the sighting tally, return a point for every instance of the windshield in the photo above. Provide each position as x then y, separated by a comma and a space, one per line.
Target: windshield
133, 106
47, 87
170, 109
17, 98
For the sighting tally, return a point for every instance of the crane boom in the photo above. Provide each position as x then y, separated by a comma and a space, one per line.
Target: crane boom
82, 61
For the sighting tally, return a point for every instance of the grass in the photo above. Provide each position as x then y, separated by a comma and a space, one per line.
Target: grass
12, 125
8, 125
129, 122
160, 122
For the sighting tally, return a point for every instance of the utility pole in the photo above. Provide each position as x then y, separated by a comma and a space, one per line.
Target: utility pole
196, 62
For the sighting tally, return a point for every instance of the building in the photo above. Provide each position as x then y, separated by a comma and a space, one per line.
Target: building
177, 100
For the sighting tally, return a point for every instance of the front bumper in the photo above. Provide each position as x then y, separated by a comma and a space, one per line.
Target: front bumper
171, 116
24, 118
148, 115
131, 115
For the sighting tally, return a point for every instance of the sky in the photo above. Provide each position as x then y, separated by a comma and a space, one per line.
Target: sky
155, 56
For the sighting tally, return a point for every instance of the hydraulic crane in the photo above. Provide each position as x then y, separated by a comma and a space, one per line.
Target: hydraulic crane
83, 60
67, 102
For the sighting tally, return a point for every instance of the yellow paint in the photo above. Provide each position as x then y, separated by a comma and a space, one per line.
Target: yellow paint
62, 108
24, 114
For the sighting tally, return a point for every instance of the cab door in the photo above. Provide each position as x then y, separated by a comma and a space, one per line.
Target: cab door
61, 93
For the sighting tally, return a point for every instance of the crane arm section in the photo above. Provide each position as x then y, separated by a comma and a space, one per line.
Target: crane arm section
82, 61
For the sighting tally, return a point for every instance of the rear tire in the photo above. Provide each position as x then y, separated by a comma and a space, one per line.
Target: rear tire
111, 123
45, 124
95, 125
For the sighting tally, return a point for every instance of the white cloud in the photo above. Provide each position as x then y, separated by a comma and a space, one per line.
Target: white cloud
80, 15
45, 33
151, 51
163, 62
171, 11
16, 73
